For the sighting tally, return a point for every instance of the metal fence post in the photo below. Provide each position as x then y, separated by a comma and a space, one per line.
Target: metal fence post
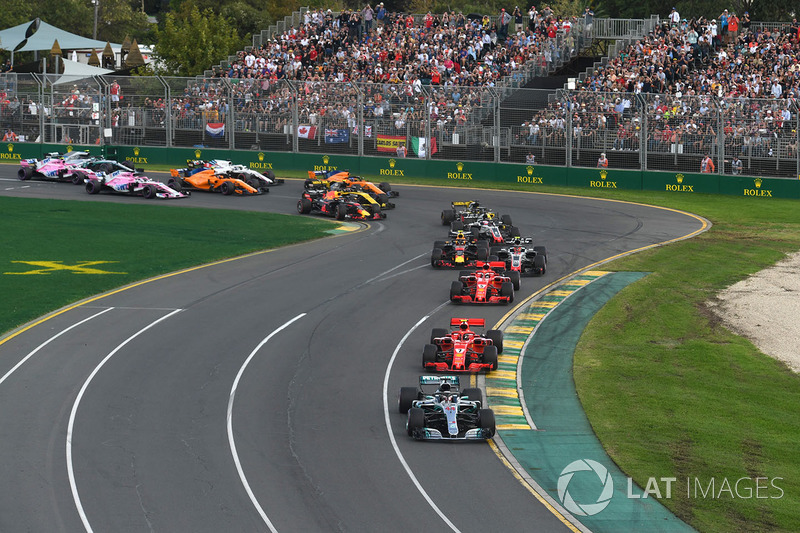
718, 103
168, 112
360, 129
643, 131
496, 106
295, 118
570, 133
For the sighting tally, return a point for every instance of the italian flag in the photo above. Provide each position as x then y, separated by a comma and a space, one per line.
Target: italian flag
419, 145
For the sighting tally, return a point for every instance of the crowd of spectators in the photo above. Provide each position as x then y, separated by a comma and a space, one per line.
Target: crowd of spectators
691, 78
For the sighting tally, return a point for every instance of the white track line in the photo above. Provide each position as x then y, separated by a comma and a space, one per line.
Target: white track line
73, 485
231, 442
391, 435
48, 341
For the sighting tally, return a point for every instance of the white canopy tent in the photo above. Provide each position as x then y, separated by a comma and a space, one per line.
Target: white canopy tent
74, 71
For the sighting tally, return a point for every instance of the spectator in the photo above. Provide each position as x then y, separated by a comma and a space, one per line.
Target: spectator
674, 17
368, 14
602, 162
707, 165
517, 20
10, 136
530, 158
115, 93
401, 150
736, 165
588, 20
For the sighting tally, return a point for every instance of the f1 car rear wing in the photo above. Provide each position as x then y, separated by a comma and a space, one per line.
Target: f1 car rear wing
468, 203
494, 265
438, 380
477, 322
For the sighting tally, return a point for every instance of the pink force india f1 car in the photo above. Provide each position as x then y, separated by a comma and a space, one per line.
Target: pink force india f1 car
130, 183
54, 167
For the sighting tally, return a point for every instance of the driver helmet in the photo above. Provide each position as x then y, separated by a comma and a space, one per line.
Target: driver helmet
444, 387
464, 325
517, 240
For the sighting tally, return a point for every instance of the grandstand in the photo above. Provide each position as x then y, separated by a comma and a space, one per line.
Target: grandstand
663, 97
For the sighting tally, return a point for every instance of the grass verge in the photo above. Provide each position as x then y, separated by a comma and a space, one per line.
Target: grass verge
141, 241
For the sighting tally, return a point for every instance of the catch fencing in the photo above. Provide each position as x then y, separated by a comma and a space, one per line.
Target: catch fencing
752, 137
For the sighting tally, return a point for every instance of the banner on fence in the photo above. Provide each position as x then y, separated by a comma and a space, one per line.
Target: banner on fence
307, 132
389, 143
367, 131
419, 145
337, 136
215, 129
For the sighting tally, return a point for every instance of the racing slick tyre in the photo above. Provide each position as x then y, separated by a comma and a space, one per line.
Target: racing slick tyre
254, 183
493, 258
271, 176
506, 220
375, 209
497, 339
473, 395
482, 254
407, 395
457, 226
175, 184
507, 290
77, 178
540, 264
93, 186
304, 206
465, 273
490, 356
385, 187
416, 420
448, 216
106, 168
382, 199
149, 191
25, 173
456, 288
438, 332
515, 278
541, 250
439, 244
341, 211
486, 420
483, 244
227, 188
436, 256
514, 231
429, 352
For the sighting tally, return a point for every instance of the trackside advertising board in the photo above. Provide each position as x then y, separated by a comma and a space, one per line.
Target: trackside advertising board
395, 169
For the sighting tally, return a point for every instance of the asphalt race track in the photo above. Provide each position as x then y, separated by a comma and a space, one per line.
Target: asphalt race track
249, 395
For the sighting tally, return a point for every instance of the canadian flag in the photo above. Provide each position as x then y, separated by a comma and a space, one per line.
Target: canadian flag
307, 132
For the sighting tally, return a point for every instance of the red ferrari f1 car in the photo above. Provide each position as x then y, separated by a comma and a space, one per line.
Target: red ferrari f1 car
463, 350
486, 285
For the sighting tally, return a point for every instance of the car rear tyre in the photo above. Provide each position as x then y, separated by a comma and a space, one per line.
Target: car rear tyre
497, 339
514, 231
174, 184
506, 220
407, 396
416, 420
93, 186
448, 216
439, 244
541, 250
438, 332
490, 356
456, 288
486, 421
540, 264
436, 256
25, 173
507, 291
457, 225
304, 206
382, 199
473, 394
385, 187
482, 253
465, 273
515, 278
429, 352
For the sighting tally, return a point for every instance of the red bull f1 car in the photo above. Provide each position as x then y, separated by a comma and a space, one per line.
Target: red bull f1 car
340, 204
439, 410
460, 251
463, 349
342, 180
486, 285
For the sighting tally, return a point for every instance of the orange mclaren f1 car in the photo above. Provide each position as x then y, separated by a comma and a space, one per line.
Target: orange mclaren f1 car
206, 179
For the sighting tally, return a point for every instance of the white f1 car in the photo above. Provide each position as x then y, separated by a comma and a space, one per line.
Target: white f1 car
242, 172
446, 413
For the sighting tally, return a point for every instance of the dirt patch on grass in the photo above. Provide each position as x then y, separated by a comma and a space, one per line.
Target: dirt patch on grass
765, 308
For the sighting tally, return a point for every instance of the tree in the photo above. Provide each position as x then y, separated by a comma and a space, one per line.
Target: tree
192, 41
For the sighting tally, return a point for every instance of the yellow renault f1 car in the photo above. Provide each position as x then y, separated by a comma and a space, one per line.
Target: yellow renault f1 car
331, 179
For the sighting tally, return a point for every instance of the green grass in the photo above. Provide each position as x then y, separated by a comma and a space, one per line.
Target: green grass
141, 240
668, 390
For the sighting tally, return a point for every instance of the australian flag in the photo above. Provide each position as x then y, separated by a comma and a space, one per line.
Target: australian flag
337, 136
